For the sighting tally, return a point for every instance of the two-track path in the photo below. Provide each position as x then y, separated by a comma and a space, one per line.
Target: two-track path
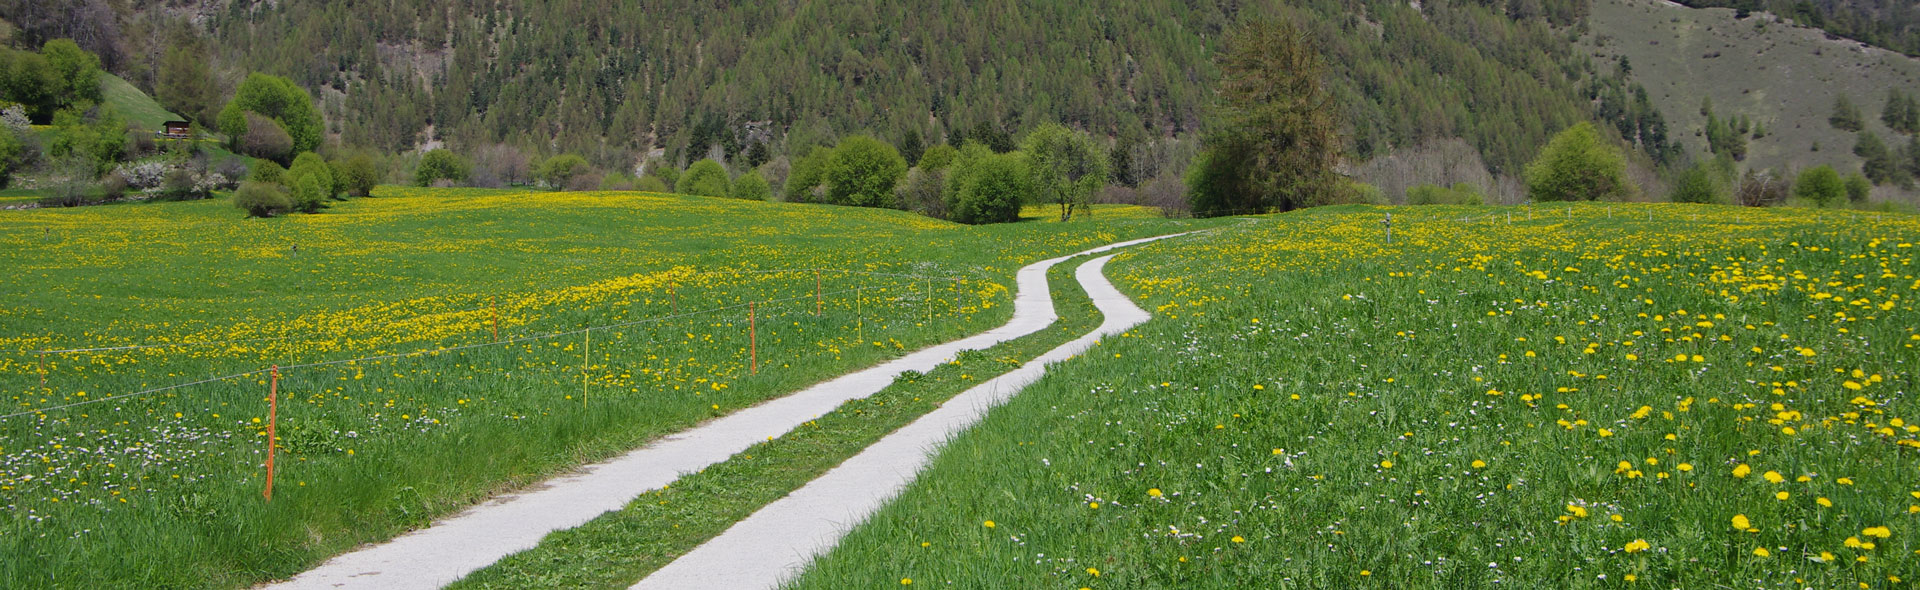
777, 542
451, 548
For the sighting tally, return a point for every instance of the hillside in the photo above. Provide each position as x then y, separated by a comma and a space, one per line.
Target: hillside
1782, 76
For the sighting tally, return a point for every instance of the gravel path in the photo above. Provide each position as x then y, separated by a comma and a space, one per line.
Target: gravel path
458, 545
777, 542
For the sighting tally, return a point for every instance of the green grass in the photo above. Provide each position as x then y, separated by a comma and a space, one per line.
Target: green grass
617, 549
139, 109
1479, 404
163, 490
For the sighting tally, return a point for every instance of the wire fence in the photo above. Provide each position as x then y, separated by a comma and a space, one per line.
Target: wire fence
818, 294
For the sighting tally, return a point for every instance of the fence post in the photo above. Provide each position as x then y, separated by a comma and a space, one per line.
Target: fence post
753, 339
494, 306
584, 368
859, 315
1389, 224
273, 420
43, 372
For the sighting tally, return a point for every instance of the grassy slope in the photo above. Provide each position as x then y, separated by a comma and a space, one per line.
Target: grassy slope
372, 448
1312, 409
139, 109
1783, 76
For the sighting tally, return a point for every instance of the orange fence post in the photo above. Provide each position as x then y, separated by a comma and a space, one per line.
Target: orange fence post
495, 308
753, 339
273, 419
43, 371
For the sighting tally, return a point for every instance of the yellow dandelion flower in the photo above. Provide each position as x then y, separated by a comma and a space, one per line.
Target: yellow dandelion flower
1740, 522
1478, 464
1638, 545
1761, 552
1741, 470
988, 524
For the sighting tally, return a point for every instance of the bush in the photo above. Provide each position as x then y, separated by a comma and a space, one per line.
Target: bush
356, 175
277, 99
705, 178
807, 173
113, 186
1858, 188
11, 149
1696, 185
180, 185
938, 157
309, 195
1431, 194
650, 184
919, 192
264, 138
668, 175
309, 164
615, 181
1820, 185
1355, 191
1760, 189
862, 172
438, 165
1577, 165
991, 189
751, 187
268, 171
262, 199
563, 171
233, 169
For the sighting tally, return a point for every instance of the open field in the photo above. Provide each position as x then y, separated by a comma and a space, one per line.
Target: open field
163, 489
1708, 397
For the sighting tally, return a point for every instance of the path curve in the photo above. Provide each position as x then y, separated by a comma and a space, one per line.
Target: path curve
453, 547
771, 546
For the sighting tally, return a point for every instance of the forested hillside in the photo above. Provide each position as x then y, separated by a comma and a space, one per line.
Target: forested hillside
612, 80
1891, 24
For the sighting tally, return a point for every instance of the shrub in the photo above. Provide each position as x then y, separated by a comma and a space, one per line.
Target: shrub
267, 171
278, 99
666, 173
1858, 188
261, 199
919, 192
1760, 189
615, 181
438, 165
751, 187
1696, 185
1577, 165
234, 169
264, 138
307, 165
143, 175
651, 184
938, 157
862, 172
309, 195
806, 174
1820, 185
563, 171
992, 189
705, 178
1355, 191
500, 164
180, 185
11, 149
1431, 194
356, 175
113, 186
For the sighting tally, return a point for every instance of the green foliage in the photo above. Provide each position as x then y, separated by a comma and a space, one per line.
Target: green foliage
310, 164
1879, 164
1626, 105
96, 135
938, 157
1065, 168
1820, 185
808, 172
275, 98
262, 199
1901, 112
862, 172
1846, 117
185, 85
438, 165
562, 170
267, 171
1726, 137
1431, 194
356, 174
1274, 133
1363, 193
309, 192
180, 185
989, 187
751, 186
1578, 165
651, 184
1697, 185
11, 148
60, 76
263, 138
1858, 188
705, 178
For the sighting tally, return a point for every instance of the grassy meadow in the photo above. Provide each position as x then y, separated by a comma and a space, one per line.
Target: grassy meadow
1601, 396
398, 401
